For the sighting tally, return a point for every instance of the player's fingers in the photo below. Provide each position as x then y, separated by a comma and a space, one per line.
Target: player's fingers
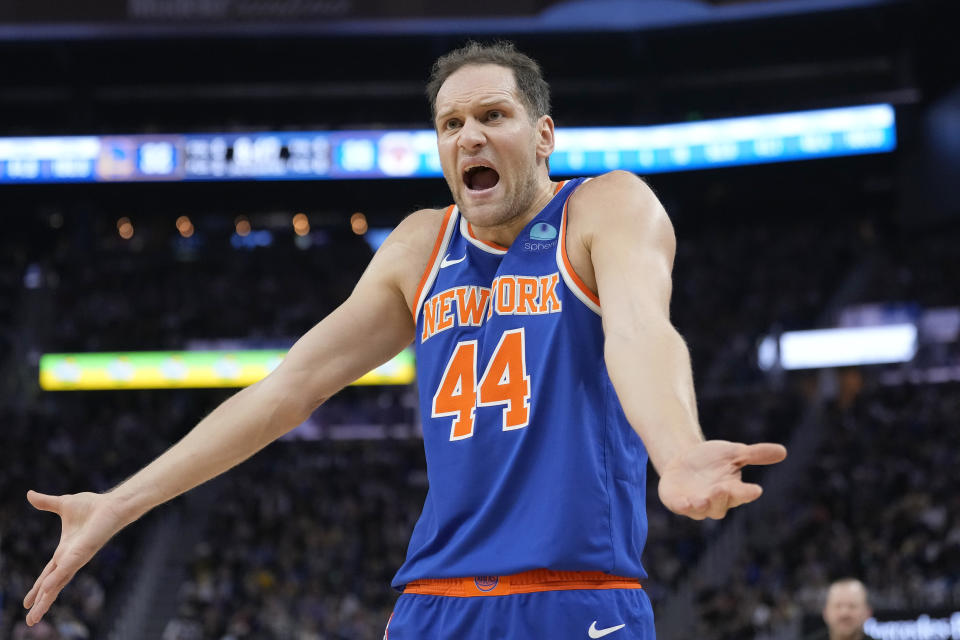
718, 503
741, 493
678, 504
726, 496
49, 590
40, 608
44, 502
696, 508
761, 453
715, 509
693, 513
729, 495
31, 596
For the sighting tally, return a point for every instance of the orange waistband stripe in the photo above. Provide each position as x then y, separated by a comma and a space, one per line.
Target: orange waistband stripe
526, 582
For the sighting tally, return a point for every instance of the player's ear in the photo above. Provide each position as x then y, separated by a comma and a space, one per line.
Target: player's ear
545, 140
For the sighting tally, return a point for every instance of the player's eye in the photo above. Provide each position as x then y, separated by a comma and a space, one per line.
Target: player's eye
451, 124
494, 115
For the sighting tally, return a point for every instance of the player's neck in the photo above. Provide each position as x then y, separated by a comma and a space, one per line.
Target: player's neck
504, 234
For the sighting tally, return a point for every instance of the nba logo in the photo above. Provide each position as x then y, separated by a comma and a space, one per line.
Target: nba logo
486, 583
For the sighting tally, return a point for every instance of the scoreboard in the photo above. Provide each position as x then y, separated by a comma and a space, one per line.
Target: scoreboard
372, 154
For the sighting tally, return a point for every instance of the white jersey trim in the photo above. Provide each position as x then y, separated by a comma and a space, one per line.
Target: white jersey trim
570, 279
480, 244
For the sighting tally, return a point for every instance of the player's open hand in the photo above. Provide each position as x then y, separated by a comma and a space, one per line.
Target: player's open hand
704, 481
87, 521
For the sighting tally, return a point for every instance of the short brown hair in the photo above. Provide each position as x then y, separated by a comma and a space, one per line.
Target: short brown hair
534, 90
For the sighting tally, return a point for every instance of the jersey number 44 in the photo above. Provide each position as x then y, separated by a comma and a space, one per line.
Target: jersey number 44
504, 382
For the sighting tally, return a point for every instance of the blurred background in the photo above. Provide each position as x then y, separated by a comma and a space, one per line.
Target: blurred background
204, 181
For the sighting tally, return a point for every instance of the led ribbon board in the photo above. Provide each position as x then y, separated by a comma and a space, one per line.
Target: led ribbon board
848, 346
346, 155
186, 369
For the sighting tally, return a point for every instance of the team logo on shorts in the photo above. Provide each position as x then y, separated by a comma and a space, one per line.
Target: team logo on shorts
486, 583
543, 231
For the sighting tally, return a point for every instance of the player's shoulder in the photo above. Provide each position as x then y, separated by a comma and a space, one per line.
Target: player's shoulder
618, 178
418, 231
614, 202
611, 187
405, 254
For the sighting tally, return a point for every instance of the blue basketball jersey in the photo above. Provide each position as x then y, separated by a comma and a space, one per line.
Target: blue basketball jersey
530, 459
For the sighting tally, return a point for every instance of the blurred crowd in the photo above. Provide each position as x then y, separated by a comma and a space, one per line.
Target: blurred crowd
918, 268
734, 284
304, 542
69, 443
879, 502
163, 297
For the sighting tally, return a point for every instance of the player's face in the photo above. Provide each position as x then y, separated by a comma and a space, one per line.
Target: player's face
489, 147
846, 610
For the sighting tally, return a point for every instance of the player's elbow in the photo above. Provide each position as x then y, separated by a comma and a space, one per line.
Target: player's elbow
640, 320
654, 341
287, 393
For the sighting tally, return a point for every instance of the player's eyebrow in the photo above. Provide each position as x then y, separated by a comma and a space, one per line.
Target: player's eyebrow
486, 102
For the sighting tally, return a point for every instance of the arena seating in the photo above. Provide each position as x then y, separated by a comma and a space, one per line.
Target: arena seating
876, 504
68, 443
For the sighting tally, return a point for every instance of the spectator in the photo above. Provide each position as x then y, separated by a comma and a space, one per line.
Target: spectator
845, 611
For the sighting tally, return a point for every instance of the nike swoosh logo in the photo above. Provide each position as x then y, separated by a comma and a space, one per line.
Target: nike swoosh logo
446, 262
593, 632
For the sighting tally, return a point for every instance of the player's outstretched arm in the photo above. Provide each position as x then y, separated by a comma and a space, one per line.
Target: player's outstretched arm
372, 326
630, 245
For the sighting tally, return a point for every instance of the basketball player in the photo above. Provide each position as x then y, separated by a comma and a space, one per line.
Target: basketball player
539, 310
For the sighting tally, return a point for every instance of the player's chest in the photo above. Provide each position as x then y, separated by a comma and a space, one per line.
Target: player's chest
482, 296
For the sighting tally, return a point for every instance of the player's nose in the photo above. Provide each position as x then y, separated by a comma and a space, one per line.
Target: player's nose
471, 135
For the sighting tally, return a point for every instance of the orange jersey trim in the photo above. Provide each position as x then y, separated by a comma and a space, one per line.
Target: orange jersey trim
432, 260
566, 261
526, 582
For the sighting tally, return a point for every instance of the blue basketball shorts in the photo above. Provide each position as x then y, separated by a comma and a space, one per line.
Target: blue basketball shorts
585, 613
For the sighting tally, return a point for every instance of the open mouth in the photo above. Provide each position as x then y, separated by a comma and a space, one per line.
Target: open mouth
480, 178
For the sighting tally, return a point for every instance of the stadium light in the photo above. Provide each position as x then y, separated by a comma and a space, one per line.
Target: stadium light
847, 347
